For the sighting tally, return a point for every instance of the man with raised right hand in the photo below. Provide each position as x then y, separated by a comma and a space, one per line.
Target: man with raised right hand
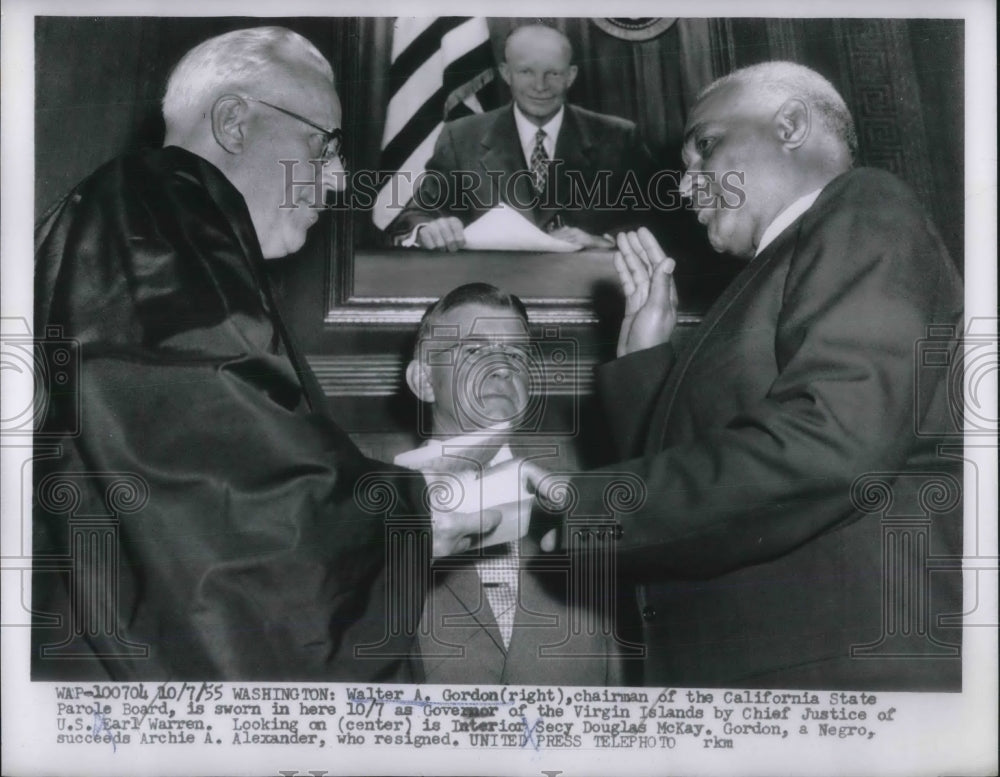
766, 558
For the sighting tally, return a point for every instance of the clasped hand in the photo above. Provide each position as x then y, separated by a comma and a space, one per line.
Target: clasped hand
457, 532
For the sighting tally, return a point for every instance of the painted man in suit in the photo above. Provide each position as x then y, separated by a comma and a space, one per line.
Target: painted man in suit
561, 166
499, 614
230, 543
764, 441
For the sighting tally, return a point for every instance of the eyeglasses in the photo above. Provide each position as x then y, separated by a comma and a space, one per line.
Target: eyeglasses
334, 139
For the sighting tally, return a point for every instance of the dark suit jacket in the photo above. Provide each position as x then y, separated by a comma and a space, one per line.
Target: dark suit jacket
592, 149
232, 545
763, 552
460, 641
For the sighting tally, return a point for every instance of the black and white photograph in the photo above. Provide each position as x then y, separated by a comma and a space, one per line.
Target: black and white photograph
499, 394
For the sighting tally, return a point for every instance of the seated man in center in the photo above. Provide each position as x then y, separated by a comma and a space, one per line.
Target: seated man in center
489, 613
562, 167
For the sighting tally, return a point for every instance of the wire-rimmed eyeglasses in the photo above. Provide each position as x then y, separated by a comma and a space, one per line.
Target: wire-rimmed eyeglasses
333, 145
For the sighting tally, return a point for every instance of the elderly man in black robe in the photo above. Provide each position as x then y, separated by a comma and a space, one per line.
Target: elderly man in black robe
203, 518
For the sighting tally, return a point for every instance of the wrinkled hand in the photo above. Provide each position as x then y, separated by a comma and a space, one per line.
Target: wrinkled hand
646, 274
581, 238
458, 532
443, 234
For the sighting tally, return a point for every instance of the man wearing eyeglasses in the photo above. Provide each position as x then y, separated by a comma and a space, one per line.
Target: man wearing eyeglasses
234, 541
499, 613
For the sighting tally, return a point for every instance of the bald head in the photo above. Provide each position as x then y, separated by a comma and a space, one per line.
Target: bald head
534, 37
772, 83
538, 68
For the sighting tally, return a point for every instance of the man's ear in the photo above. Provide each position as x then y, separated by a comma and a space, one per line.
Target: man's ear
229, 120
418, 378
793, 121
505, 72
571, 76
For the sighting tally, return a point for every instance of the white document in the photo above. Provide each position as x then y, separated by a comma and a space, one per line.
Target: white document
499, 489
504, 229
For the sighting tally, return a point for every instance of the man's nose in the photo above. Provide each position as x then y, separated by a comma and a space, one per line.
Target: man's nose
504, 368
334, 176
686, 186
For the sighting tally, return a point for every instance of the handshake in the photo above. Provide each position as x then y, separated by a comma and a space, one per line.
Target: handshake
494, 509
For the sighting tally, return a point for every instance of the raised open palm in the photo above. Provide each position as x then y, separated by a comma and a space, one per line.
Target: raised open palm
646, 275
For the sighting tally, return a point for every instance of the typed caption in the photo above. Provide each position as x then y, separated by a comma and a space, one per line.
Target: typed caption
321, 718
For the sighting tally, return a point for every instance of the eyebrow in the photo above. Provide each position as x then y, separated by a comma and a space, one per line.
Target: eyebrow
687, 142
693, 131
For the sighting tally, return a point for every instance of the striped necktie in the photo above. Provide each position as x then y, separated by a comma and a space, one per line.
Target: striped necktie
539, 162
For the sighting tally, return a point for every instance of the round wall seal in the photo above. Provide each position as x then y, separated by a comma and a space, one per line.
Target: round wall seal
625, 28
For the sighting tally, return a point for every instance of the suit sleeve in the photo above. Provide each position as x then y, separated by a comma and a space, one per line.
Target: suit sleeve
431, 196
629, 387
857, 299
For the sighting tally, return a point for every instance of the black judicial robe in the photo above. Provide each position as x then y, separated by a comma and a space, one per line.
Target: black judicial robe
197, 514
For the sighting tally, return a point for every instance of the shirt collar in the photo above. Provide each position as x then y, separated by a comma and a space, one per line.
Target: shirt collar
526, 131
785, 218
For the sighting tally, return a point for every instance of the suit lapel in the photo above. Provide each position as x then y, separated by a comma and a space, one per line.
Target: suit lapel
732, 293
467, 650
538, 620
467, 588
575, 150
502, 152
575, 146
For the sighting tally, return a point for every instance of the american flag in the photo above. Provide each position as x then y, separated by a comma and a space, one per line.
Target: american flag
441, 70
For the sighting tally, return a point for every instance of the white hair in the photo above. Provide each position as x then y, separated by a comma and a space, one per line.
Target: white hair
234, 60
790, 79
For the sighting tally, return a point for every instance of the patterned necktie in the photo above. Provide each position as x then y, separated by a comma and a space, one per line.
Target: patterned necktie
539, 163
498, 570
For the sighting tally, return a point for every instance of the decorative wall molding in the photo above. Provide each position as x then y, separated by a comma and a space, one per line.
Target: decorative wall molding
877, 62
381, 375
401, 312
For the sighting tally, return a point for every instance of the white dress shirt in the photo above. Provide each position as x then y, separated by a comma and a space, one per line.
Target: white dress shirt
785, 218
526, 133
